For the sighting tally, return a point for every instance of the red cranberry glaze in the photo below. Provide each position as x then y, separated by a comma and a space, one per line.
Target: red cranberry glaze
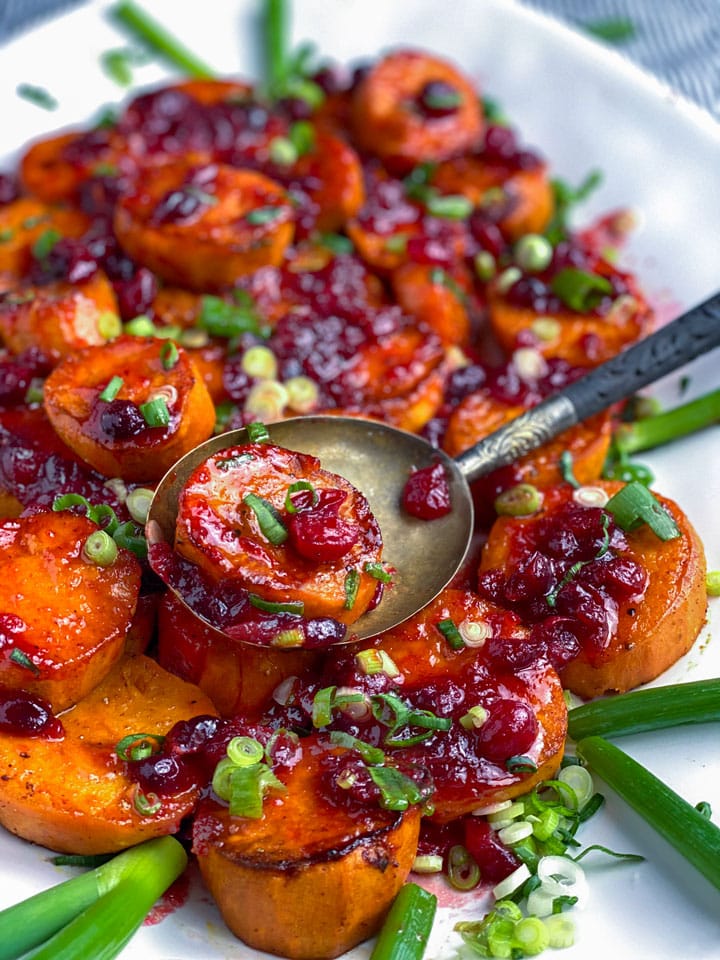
318, 532
426, 494
24, 715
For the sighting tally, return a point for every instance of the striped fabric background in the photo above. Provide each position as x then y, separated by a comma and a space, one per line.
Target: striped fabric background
678, 40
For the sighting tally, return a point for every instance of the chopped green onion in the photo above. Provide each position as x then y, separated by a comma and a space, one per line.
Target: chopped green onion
146, 804
462, 870
322, 706
100, 549
45, 243
23, 660
578, 289
262, 215
296, 607
337, 243
282, 151
533, 253
37, 95
652, 431
648, 709
302, 137
257, 432
449, 206
518, 764
634, 505
378, 572
155, 412
222, 319
138, 746
406, 930
451, 633
612, 29
268, 519
297, 487
146, 29
566, 469
369, 753
96, 913
697, 839
576, 567
372, 661
712, 583
169, 355
352, 584
112, 389
530, 935
138, 503
522, 500
397, 792
565, 197
244, 751
127, 536
229, 463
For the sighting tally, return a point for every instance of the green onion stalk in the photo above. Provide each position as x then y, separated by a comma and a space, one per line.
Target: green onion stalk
96, 913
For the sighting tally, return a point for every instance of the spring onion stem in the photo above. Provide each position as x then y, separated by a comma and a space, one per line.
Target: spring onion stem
95, 913
661, 428
407, 927
146, 29
692, 834
276, 44
651, 709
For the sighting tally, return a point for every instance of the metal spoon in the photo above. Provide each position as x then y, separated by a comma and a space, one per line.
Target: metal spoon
378, 459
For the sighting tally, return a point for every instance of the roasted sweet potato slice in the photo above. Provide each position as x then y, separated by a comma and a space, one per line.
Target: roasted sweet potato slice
524, 196
412, 107
582, 339
63, 618
311, 878
118, 435
238, 678
316, 557
479, 414
54, 168
438, 299
24, 220
59, 317
655, 603
471, 764
74, 794
202, 227
331, 176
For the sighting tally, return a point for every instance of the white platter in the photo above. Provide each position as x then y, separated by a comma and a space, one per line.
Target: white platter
585, 108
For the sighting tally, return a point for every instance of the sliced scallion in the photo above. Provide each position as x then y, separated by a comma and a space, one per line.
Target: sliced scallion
351, 585
112, 389
407, 927
155, 412
296, 607
268, 519
155, 36
634, 505
578, 289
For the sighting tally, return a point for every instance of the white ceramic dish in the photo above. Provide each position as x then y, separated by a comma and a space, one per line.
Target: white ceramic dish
585, 107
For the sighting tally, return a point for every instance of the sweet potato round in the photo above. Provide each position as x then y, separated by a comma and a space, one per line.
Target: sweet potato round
310, 880
73, 795
67, 615
72, 397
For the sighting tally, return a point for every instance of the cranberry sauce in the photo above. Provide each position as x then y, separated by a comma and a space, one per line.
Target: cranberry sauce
22, 714
226, 606
317, 531
426, 494
36, 467
569, 574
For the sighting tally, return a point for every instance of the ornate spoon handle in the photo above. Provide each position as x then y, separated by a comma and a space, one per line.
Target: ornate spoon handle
694, 333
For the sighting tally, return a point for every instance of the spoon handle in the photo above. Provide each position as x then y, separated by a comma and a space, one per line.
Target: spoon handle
690, 335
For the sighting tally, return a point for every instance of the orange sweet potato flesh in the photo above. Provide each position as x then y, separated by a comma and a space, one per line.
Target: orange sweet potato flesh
310, 879
464, 778
73, 795
332, 177
238, 678
51, 171
387, 122
219, 242
24, 220
583, 340
221, 533
479, 414
652, 633
436, 299
72, 398
58, 317
63, 612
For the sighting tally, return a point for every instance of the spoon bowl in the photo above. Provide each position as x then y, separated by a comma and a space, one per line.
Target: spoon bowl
378, 459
